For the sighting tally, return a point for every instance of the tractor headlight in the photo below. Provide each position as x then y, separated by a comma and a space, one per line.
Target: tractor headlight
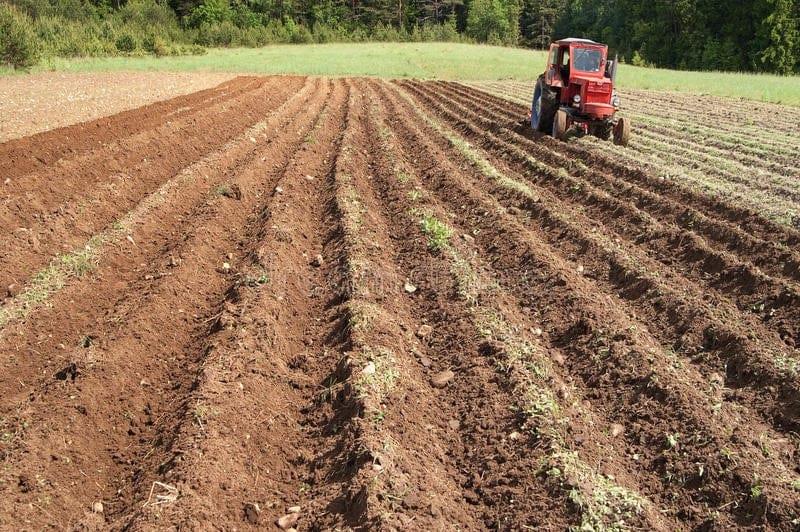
615, 101
576, 98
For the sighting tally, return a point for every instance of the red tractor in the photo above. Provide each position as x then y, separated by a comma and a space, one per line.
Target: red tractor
577, 92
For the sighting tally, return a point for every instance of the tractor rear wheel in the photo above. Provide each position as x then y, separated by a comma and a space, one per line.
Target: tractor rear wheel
560, 125
543, 107
622, 132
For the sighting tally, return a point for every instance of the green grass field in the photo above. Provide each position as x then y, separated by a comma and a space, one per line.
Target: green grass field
434, 60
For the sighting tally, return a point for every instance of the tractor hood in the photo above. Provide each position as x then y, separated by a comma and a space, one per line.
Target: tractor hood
595, 94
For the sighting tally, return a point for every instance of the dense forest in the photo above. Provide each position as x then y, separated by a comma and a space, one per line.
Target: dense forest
753, 35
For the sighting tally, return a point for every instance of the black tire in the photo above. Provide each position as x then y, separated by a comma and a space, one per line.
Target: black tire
622, 132
602, 130
543, 107
560, 125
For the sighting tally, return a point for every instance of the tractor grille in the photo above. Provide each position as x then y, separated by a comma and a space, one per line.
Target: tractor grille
597, 92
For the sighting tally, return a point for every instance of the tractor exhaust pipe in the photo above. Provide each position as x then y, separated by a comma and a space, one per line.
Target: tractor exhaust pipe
614, 68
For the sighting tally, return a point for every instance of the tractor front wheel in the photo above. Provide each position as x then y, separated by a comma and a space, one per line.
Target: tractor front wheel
622, 132
560, 124
543, 107
601, 130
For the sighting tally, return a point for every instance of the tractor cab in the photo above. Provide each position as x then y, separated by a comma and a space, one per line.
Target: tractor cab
580, 68
575, 58
576, 91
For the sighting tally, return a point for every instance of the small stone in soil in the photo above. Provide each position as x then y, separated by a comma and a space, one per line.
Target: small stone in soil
252, 512
318, 261
425, 361
441, 379
617, 429
410, 288
97, 507
287, 521
454, 424
424, 330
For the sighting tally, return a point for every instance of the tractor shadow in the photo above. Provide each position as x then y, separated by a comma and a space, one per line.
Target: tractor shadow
523, 128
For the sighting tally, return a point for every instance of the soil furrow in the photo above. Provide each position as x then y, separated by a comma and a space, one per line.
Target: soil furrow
68, 205
777, 258
749, 288
600, 163
684, 312
671, 151
27, 154
772, 299
779, 164
110, 436
479, 330
689, 321
596, 334
257, 371
354, 304
391, 476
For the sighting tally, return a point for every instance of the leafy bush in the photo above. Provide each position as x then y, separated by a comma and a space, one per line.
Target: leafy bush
489, 20
126, 43
68, 9
152, 27
18, 46
147, 14
638, 60
155, 45
210, 13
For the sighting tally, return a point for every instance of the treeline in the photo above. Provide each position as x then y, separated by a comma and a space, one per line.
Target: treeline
754, 35
32, 30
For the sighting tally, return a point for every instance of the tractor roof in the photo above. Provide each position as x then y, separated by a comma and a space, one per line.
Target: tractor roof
573, 40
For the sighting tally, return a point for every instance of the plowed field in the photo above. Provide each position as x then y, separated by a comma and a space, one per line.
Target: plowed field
360, 304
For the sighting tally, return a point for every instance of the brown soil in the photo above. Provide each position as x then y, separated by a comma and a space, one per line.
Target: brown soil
270, 320
34, 103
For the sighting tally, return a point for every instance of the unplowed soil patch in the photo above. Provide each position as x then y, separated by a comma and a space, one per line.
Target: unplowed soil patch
39, 102
348, 304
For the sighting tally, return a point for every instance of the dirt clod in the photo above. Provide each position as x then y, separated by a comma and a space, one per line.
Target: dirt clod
68, 372
233, 191
12, 290
252, 513
97, 507
424, 331
287, 521
317, 261
441, 379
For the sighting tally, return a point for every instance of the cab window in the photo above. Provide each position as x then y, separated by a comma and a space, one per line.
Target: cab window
587, 59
